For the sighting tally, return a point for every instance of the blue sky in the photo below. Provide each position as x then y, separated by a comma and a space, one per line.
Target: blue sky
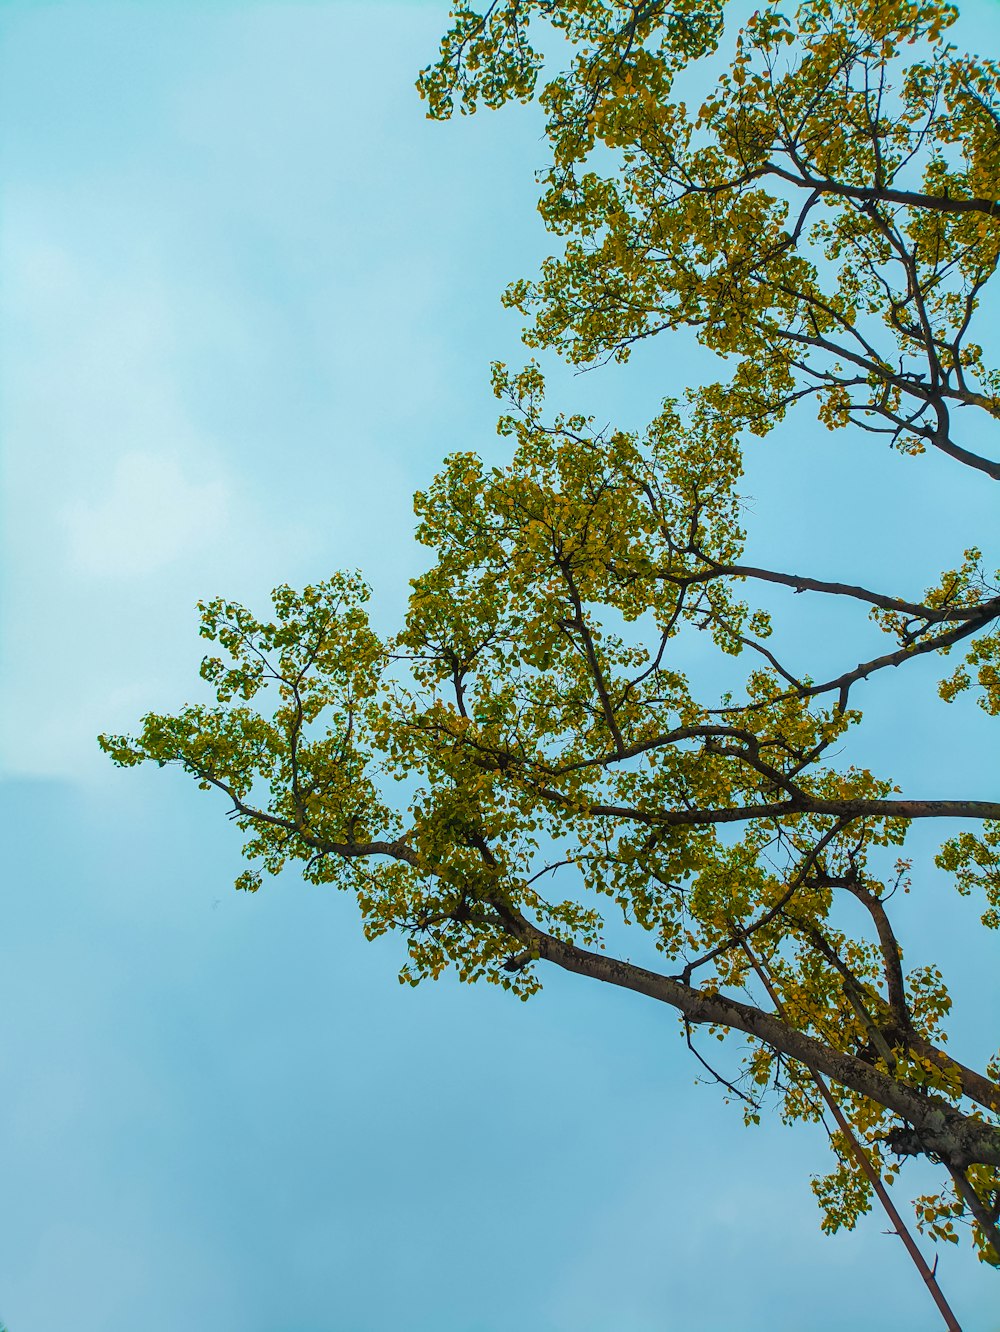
249, 300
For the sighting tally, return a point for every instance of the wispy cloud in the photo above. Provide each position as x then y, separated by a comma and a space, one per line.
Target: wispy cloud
150, 514
123, 505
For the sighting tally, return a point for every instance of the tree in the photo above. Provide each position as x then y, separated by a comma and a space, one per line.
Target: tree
826, 222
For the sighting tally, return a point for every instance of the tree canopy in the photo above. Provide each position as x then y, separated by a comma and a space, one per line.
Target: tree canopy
525, 755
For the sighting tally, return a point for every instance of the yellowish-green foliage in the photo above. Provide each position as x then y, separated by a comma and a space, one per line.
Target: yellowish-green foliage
525, 756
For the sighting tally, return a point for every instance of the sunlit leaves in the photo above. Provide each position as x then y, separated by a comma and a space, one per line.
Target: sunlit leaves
826, 216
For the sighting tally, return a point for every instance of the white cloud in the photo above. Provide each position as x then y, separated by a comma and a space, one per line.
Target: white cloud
124, 502
150, 514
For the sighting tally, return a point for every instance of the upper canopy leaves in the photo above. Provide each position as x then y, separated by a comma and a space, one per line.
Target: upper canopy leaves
828, 216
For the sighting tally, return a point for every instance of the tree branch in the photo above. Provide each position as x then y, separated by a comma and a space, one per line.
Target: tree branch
945, 1131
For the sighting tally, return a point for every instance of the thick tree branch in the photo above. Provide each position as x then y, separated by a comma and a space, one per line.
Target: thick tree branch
945, 1132
849, 809
872, 194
